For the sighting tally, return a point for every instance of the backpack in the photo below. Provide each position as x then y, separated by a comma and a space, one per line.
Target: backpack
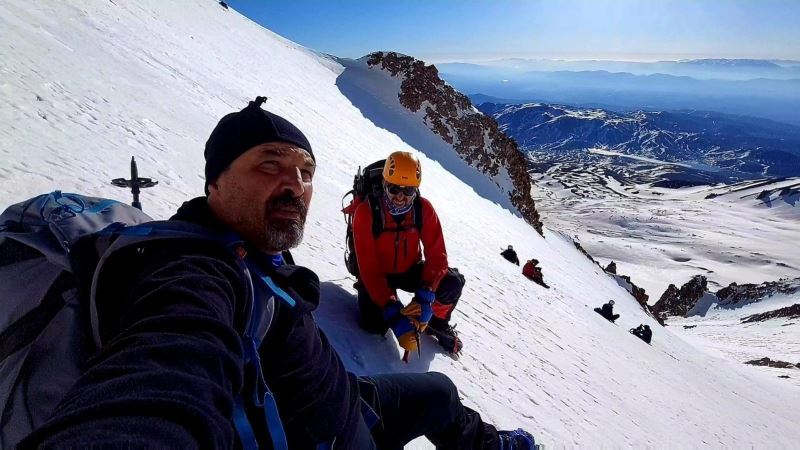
52, 249
368, 186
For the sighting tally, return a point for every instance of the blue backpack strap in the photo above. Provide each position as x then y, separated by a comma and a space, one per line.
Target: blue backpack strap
247, 436
265, 294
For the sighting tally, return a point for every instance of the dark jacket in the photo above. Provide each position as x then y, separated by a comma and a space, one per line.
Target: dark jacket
646, 334
171, 362
607, 310
510, 255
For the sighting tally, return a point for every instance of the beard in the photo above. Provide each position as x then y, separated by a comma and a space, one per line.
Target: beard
284, 234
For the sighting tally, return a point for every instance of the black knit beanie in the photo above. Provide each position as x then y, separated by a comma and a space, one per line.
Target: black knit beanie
240, 131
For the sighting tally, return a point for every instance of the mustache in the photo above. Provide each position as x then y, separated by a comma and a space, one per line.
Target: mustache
287, 201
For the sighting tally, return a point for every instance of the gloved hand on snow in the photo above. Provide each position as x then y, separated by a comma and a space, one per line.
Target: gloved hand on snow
419, 311
403, 329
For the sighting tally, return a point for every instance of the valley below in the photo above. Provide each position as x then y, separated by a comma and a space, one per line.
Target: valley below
616, 207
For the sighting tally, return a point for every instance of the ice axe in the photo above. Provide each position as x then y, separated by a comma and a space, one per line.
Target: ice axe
419, 348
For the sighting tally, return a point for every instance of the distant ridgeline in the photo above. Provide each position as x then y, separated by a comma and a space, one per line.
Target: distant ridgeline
705, 146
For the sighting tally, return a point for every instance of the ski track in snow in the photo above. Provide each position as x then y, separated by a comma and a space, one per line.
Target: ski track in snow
87, 84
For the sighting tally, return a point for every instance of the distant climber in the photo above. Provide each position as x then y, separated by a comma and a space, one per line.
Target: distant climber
643, 332
533, 272
510, 255
607, 311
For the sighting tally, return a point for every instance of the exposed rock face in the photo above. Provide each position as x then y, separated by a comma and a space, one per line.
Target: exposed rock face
736, 295
770, 363
475, 136
585, 253
791, 312
678, 302
611, 267
638, 293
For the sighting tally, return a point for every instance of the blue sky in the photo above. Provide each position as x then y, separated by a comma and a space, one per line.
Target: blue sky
441, 30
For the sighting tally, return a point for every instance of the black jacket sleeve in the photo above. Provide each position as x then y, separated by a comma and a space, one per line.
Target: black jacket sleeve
317, 398
170, 361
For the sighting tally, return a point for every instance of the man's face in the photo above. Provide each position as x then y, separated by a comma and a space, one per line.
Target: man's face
399, 196
264, 195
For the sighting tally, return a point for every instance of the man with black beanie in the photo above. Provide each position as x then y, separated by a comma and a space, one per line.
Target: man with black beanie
175, 370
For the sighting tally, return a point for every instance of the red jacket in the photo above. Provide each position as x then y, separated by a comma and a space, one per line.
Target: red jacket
397, 249
531, 271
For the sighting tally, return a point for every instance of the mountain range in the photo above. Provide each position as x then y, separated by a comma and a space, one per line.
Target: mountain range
707, 147
701, 69
771, 98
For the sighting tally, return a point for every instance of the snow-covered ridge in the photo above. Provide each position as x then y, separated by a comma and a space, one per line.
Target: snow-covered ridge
475, 137
151, 78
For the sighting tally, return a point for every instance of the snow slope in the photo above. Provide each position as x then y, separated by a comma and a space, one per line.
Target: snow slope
87, 84
720, 331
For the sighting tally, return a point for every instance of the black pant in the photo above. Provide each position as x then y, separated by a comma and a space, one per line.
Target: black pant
448, 293
608, 315
411, 405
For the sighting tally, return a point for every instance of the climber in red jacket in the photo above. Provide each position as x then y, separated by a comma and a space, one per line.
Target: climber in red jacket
533, 272
408, 253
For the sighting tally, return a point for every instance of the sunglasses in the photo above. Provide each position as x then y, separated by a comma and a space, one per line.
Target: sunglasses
395, 189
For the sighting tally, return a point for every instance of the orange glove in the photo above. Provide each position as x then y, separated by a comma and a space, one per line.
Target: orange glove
403, 329
419, 311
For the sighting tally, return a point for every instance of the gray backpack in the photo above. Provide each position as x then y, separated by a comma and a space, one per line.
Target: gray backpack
52, 248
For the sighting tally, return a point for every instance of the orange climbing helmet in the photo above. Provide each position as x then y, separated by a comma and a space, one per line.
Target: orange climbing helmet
402, 169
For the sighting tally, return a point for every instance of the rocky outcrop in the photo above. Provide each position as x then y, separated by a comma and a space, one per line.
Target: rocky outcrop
678, 302
585, 253
736, 295
475, 136
611, 267
791, 312
771, 363
638, 293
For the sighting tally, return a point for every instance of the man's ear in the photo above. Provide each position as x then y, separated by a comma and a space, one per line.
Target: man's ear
212, 186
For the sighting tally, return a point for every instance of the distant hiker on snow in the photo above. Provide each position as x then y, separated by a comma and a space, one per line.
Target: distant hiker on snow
643, 332
180, 365
607, 311
533, 272
390, 243
510, 255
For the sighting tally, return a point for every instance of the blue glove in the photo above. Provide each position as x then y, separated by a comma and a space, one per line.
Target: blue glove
419, 310
403, 329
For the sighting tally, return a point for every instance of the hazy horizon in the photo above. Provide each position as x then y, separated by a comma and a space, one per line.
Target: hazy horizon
620, 57
623, 30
